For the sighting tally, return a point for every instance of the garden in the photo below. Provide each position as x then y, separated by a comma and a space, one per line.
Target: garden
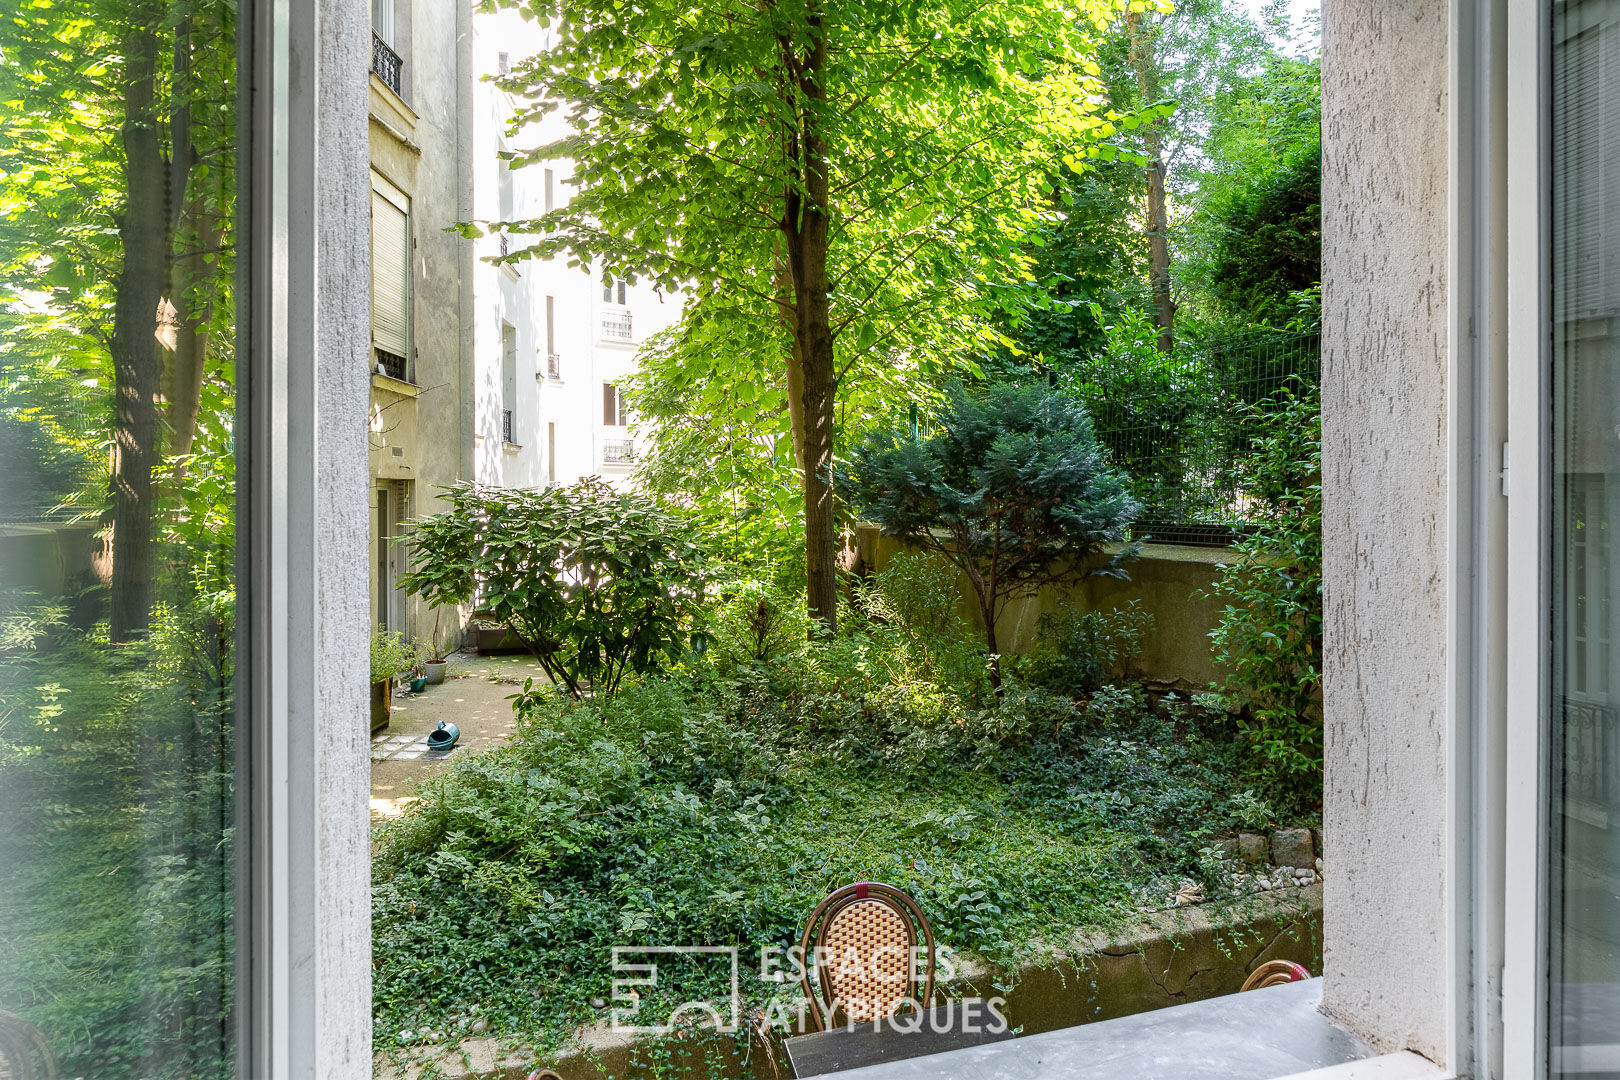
707, 761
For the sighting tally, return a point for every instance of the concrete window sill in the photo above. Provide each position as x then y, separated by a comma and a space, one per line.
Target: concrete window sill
1276, 1033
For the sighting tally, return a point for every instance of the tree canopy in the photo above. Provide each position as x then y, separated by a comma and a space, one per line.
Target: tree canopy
847, 183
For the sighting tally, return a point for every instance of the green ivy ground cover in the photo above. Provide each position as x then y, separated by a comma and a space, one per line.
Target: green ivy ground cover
717, 807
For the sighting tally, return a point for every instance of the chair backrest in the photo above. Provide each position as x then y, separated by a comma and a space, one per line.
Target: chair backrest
859, 946
25, 1054
1274, 973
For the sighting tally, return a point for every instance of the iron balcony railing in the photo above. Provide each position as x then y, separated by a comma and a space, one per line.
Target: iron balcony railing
616, 325
390, 364
385, 62
553, 366
506, 244
618, 451
506, 426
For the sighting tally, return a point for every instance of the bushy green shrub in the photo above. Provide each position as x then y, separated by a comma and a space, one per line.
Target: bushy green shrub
1270, 635
594, 582
1079, 652
915, 597
391, 654
755, 621
1013, 489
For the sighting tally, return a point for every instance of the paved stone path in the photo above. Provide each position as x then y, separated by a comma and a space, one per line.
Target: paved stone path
474, 696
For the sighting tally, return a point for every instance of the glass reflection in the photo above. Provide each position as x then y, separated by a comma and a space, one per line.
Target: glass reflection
1585, 899
117, 581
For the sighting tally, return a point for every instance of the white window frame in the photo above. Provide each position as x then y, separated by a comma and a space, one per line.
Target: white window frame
1525, 972
303, 876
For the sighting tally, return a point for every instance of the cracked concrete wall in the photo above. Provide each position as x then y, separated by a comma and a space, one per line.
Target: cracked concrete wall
1384, 235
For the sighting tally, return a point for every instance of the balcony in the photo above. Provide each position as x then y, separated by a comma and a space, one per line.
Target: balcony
618, 451
616, 326
554, 366
385, 63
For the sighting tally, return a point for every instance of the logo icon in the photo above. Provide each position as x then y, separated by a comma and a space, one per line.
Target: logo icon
635, 968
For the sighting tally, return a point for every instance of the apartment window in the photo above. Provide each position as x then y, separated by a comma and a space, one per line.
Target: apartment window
613, 291
553, 361
508, 382
382, 19
550, 197
615, 412
1583, 1020
390, 279
385, 48
551, 452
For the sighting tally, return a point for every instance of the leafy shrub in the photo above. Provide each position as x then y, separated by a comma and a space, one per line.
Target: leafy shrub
1270, 635
1013, 490
755, 622
594, 582
1078, 652
915, 597
391, 654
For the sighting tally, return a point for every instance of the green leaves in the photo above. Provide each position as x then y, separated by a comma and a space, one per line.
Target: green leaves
1013, 488
595, 582
1270, 636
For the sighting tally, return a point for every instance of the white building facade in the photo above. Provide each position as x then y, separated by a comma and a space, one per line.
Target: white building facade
553, 344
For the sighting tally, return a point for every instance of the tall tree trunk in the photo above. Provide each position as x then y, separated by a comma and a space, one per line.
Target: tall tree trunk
144, 233
806, 227
1158, 223
196, 289
795, 364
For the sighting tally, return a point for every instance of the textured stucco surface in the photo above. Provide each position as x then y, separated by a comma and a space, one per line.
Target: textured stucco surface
1384, 223
328, 753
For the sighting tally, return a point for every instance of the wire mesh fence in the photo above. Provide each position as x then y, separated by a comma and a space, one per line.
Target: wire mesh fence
1183, 426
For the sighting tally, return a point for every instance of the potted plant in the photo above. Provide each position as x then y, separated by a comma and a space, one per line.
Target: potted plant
390, 655
438, 652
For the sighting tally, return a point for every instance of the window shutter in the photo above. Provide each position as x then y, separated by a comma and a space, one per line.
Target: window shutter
390, 275
610, 404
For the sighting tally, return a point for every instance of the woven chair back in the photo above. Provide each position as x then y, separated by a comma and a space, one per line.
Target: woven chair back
1274, 973
862, 940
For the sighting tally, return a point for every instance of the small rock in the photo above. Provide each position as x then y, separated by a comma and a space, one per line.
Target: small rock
1251, 848
1265, 886
407, 1035
598, 1003
1319, 865
1292, 847
480, 1025
1228, 848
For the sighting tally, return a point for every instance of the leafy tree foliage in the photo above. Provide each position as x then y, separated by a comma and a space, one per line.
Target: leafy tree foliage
594, 582
1267, 245
1013, 489
116, 175
852, 177
1253, 235
1270, 636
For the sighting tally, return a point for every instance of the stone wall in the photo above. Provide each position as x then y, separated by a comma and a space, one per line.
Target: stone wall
1384, 465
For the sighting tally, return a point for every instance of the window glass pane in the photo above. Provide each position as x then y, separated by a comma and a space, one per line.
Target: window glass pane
1585, 842
118, 253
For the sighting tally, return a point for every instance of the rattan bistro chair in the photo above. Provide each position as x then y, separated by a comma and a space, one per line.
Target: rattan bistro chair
1274, 973
863, 937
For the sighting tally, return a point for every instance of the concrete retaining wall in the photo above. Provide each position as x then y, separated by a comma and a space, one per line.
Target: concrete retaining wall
1171, 582
1170, 958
